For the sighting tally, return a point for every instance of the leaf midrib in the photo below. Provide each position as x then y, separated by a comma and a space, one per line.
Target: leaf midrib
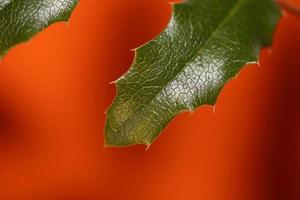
231, 12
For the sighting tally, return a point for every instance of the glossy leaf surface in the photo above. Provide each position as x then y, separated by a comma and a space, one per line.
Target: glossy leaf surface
22, 19
205, 44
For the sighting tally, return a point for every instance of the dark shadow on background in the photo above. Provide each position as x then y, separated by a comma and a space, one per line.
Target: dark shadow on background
15, 129
9, 124
283, 116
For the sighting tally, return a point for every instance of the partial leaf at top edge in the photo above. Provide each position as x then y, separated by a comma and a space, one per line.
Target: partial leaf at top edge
22, 19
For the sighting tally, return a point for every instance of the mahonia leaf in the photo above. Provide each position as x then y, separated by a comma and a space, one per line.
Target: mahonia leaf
205, 44
22, 19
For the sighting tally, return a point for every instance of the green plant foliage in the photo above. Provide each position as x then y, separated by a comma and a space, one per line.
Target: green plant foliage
22, 19
205, 44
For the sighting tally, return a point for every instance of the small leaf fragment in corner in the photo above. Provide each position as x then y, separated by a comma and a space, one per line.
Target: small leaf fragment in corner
22, 19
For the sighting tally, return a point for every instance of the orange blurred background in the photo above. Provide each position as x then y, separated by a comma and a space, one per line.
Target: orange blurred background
54, 91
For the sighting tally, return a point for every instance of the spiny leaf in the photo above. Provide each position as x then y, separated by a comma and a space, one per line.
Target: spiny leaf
205, 44
22, 19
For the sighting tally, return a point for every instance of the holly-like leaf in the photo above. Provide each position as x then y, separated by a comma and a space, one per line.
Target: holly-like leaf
22, 19
205, 44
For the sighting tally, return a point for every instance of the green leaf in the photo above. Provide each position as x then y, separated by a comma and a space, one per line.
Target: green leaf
22, 19
205, 44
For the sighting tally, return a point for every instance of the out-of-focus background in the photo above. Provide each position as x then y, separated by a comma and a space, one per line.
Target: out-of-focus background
54, 91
